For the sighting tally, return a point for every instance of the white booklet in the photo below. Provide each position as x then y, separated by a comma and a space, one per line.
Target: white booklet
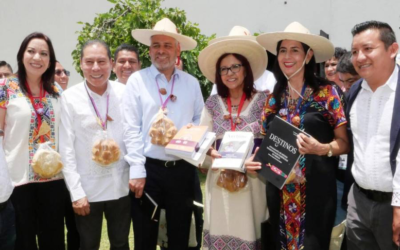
235, 148
200, 155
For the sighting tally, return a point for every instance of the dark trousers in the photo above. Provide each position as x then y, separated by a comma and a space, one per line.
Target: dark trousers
39, 209
117, 213
137, 221
7, 227
72, 232
369, 223
172, 188
198, 214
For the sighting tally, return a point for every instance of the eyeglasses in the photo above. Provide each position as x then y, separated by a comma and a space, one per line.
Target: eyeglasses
234, 69
4, 75
59, 72
350, 80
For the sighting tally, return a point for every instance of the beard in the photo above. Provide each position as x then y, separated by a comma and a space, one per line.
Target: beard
165, 65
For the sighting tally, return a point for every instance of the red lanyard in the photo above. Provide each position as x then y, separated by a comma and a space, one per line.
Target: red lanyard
36, 107
228, 100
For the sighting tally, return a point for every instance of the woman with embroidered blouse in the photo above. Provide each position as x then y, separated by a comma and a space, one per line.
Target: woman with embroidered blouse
29, 117
302, 213
235, 203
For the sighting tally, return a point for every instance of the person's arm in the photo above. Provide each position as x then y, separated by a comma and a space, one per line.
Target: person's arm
340, 144
396, 225
309, 145
396, 203
132, 124
198, 105
3, 105
72, 178
3, 113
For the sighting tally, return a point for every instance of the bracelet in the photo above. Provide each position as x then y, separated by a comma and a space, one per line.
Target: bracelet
330, 152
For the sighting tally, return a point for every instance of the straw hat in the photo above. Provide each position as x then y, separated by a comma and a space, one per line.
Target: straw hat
322, 47
240, 42
237, 32
164, 27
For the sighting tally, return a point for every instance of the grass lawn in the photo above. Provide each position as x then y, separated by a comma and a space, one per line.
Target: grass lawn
105, 244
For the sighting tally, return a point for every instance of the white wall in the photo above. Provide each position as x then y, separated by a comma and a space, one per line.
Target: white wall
58, 19
335, 17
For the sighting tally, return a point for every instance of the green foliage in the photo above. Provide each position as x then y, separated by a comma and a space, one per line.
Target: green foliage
115, 26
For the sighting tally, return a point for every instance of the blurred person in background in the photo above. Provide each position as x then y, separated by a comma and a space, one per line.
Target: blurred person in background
5, 69
345, 69
330, 67
126, 62
61, 76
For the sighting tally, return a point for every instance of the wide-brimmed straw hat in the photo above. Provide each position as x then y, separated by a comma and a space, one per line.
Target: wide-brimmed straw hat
164, 27
322, 47
240, 42
237, 32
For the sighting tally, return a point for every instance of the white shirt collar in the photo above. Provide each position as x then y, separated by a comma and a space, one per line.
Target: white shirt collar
155, 73
391, 82
93, 94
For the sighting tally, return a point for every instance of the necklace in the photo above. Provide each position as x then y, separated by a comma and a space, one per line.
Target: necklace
162, 91
238, 120
292, 110
39, 110
100, 121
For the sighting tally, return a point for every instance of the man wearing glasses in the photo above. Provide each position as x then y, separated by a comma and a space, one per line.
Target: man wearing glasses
347, 73
5, 70
61, 76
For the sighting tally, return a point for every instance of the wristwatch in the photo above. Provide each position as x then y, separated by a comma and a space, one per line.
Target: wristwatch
330, 153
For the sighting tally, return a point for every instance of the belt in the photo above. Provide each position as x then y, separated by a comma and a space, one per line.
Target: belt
164, 163
3, 205
377, 196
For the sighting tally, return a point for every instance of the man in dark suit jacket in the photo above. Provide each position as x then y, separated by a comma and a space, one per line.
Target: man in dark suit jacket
373, 112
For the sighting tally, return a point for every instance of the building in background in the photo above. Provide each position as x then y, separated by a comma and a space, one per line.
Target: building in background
334, 17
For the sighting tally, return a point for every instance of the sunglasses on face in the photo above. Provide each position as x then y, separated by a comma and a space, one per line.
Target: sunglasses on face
59, 72
4, 75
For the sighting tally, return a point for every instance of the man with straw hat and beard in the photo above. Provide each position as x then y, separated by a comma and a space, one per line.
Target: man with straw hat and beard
302, 213
267, 81
234, 210
160, 100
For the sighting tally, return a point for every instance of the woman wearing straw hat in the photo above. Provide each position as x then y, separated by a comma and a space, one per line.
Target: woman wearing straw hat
303, 212
233, 214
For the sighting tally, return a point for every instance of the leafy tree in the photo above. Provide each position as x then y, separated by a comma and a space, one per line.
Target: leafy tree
115, 26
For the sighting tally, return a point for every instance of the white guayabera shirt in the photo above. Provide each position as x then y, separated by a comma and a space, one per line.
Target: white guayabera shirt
78, 131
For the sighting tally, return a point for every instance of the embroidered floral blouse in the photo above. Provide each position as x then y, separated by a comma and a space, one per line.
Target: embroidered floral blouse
21, 129
215, 109
325, 102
